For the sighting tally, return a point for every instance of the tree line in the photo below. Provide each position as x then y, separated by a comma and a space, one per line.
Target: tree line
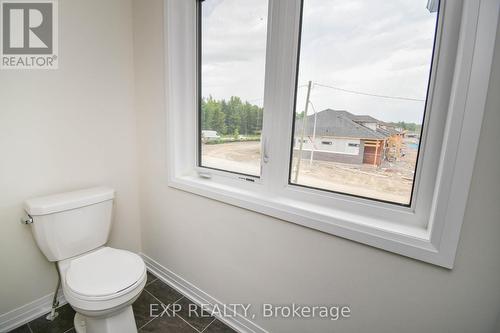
412, 127
232, 117
235, 117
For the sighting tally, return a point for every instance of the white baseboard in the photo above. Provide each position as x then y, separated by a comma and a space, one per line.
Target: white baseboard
26, 313
235, 321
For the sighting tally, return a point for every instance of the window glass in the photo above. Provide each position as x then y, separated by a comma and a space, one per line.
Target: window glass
364, 70
233, 51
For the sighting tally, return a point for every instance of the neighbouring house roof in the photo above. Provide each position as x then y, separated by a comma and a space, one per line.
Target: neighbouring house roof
384, 132
391, 128
393, 131
337, 123
383, 123
389, 131
383, 127
363, 118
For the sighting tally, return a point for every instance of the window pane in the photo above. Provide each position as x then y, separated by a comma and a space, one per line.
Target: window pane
362, 84
233, 53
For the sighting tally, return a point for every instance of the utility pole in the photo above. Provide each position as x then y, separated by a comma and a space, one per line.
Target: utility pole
304, 124
313, 147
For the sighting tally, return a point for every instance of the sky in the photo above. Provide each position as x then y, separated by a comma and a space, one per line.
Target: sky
373, 46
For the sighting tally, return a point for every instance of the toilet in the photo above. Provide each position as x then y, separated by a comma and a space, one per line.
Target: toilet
99, 282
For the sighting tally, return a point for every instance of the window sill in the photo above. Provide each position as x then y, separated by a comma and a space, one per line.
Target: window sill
411, 241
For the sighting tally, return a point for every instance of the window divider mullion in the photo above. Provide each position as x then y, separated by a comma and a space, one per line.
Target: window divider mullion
281, 61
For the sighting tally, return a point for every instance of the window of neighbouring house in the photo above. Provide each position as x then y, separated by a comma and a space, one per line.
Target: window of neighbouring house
363, 76
232, 39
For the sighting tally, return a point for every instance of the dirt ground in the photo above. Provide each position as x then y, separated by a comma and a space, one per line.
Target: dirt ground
243, 157
390, 181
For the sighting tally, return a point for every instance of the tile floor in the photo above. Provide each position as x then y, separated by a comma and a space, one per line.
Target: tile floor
155, 292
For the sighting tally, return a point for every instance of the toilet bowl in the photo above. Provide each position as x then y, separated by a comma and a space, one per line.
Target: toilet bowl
99, 282
101, 287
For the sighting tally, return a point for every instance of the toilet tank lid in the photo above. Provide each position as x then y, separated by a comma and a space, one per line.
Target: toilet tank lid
69, 200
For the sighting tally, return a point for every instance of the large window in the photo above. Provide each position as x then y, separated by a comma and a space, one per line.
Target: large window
356, 118
233, 53
362, 84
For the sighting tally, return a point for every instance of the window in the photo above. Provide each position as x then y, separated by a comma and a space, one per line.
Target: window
379, 96
233, 51
362, 78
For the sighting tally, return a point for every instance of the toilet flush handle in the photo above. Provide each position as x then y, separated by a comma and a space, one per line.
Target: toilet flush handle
27, 219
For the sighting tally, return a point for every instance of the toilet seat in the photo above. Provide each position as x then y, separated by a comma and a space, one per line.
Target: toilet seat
103, 280
105, 273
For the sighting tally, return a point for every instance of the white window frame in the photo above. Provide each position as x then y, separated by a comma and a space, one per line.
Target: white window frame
429, 229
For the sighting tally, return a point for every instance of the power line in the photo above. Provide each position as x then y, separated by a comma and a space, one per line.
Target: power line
353, 92
369, 94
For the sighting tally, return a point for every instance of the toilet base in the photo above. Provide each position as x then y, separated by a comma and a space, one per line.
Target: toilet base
119, 322
79, 323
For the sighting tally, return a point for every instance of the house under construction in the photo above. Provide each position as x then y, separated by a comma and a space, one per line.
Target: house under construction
340, 136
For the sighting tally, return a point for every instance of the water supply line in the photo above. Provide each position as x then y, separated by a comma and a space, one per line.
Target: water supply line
27, 219
55, 303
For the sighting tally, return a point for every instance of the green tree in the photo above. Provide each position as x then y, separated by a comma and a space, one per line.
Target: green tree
412, 127
230, 117
233, 114
212, 117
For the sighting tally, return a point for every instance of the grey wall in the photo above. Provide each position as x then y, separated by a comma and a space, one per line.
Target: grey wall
334, 157
66, 129
243, 257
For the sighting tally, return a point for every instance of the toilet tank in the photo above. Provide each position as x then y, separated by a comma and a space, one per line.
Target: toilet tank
68, 224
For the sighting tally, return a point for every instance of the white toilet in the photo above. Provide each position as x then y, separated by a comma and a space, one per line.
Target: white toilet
99, 282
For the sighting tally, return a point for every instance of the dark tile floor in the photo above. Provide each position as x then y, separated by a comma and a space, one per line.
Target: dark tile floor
156, 292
